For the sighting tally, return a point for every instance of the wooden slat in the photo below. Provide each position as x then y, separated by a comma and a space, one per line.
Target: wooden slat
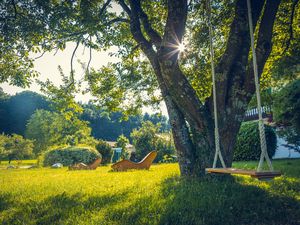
252, 173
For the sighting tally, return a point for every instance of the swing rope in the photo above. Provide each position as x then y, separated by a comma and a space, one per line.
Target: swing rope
218, 153
263, 145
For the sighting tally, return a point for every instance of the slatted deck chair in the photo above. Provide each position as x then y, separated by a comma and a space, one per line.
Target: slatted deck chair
82, 166
145, 163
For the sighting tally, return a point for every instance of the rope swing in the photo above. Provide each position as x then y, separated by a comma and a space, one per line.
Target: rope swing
263, 145
218, 153
264, 154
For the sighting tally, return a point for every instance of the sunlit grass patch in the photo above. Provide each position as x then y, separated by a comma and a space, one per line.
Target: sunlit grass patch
157, 196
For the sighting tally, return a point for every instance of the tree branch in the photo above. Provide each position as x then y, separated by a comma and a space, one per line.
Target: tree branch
264, 41
15, 8
103, 8
291, 33
73, 54
153, 34
135, 28
125, 7
90, 59
117, 20
40, 56
230, 70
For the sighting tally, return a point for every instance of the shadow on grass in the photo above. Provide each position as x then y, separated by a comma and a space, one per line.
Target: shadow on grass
225, 202
218, 201
59, 209
5, 201
175, 201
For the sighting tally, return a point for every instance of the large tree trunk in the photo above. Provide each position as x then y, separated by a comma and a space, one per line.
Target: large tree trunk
192, 121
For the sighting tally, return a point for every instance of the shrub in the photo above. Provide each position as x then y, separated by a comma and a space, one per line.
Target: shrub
286, 106
70, 155
286, 111
105, 150
169, 159
248, 142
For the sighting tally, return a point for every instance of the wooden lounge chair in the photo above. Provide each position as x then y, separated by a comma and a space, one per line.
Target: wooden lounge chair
125, 164
82, 166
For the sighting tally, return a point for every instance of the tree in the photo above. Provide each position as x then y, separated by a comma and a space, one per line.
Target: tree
50, 128
108, 126
144, 139
157, 118
15, 147
16, 110
286, 111
148, 34
105, 150
122, 141
149, 138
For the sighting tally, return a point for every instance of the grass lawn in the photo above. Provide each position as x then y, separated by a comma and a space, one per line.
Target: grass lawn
157, 196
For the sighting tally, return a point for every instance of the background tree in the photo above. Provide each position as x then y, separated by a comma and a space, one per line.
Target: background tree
148, 34
51, 128
158, 119
122, 142
286, 111
149, 138
108, 126
144, 139
15, 147
16, 110
105, 150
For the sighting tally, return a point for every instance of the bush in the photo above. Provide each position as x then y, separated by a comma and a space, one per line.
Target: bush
248, 142
286, 111
169, 159
286, 106
70, 155
105, 150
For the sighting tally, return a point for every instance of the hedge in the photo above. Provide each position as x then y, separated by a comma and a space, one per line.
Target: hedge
70, 155
248, 142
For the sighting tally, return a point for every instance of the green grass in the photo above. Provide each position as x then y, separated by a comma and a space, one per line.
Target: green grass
157, 196
27, 162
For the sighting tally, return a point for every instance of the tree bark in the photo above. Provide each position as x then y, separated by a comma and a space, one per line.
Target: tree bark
192, 121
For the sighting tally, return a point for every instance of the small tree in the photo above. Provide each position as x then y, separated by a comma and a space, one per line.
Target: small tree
165, 147
122, 141
105, 150
144, 139
286, 111
51, 128
15, 147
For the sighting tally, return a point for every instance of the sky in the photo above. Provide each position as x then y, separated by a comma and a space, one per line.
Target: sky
47, 66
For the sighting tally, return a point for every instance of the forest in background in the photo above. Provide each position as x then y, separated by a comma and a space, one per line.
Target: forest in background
16, 110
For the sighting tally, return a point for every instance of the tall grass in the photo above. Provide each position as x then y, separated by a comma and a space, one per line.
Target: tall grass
157, 196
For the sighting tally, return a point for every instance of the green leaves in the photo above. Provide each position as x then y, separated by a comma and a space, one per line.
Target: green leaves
15, 147
49, 128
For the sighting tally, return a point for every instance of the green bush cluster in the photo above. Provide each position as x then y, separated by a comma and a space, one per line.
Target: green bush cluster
169, 159
105, 150
248, 142
70, 155
148, 138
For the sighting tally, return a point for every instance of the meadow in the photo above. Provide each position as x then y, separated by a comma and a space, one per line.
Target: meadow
157, 196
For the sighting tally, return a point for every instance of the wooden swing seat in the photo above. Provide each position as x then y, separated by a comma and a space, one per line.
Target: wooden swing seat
262, 175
